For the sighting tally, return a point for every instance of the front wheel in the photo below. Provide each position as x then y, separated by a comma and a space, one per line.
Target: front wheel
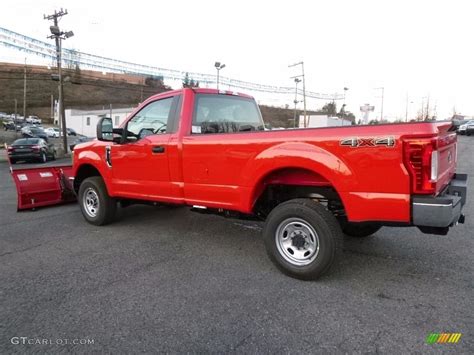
302, 238
97, 206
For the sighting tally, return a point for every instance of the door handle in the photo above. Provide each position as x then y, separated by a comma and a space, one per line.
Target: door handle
158, 149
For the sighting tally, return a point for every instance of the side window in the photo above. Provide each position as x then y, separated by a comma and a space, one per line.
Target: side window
152, 119
225, 114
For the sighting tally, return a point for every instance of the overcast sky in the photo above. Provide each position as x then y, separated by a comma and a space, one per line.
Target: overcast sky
423, 48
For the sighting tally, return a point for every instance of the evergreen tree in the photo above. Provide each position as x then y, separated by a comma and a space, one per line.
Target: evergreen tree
186, 80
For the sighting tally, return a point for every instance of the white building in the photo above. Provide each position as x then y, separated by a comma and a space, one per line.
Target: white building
316, 121
84, 122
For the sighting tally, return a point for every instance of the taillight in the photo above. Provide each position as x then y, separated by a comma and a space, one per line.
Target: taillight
421, 160
434, 166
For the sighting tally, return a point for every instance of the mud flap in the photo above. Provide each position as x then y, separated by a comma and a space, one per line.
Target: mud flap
43, 186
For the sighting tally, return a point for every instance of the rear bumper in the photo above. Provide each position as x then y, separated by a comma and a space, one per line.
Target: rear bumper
29, 155
437, 214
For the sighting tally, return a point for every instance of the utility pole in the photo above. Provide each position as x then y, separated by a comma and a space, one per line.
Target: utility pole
406, 110
304, 89
24, 92
422, 117
296, 101
427, 107
58, 36
381, 105
14, 120
52, 108
381, 114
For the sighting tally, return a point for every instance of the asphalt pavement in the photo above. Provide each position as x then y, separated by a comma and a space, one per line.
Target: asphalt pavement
170, 280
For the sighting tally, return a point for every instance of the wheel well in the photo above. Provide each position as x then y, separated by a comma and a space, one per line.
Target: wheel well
83, 173
290, 183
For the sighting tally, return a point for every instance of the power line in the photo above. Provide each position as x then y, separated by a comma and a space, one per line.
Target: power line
71, 57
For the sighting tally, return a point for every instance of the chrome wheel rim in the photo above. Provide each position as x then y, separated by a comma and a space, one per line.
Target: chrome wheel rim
43, 157
297, 241
90, 202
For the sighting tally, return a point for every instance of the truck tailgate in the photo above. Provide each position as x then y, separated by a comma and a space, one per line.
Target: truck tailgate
447, 156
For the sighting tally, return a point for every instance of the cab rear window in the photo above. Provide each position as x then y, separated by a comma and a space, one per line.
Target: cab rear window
225, 114
26, 141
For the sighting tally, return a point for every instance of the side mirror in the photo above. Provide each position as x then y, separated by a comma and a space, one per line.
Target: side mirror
105, 130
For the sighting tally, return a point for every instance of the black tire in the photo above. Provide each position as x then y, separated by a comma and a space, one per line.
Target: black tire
307, 213
43, 158
106, 207
360, 230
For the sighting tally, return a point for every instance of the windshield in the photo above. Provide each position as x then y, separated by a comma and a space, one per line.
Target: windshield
36, 130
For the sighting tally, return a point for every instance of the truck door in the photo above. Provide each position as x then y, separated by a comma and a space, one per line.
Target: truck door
218, 148
140, 165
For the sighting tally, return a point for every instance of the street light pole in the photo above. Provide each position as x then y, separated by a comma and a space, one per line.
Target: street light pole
304, 89
218, 67
344, 107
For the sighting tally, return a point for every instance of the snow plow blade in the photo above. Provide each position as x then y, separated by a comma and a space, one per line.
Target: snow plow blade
43, 186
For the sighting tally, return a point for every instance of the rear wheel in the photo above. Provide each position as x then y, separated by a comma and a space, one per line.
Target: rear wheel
302, 238
43, 157
360, 230
97, 206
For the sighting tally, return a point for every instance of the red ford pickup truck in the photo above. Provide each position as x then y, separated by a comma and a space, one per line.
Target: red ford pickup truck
209, 149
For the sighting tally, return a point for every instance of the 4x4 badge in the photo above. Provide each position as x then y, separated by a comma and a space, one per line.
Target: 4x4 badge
356, 142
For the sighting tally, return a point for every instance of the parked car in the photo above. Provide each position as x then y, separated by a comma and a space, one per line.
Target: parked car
12, 125
463, 128
52, 132
470, 128
80, 139
33, 120
31, 149
71, 132
34, 132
